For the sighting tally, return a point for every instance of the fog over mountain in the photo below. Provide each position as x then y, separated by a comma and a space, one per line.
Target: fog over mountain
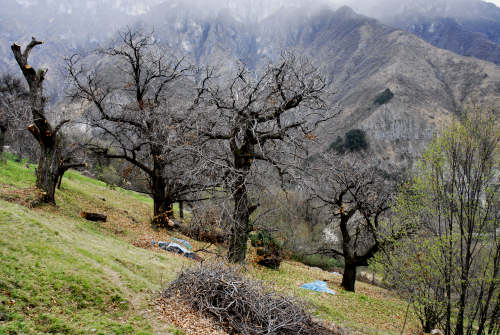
360, 56
466, 27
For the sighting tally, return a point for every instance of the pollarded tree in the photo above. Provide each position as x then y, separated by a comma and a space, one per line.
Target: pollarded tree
137, 101
258, 120
358, 195
49, 138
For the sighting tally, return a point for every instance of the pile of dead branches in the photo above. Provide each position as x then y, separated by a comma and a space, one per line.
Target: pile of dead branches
243, 306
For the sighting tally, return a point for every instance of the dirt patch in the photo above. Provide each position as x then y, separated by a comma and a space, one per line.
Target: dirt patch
185, 318
27, 197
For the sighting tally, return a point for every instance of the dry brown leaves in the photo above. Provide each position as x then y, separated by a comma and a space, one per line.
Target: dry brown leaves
26, 197
174, 311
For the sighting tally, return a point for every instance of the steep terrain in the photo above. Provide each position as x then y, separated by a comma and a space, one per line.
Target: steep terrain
60, 274
466, 27
360, 57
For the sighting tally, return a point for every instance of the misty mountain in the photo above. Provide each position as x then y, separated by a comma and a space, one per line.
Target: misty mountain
361, 57
466, 27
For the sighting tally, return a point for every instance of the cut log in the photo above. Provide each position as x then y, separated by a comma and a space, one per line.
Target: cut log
97, 217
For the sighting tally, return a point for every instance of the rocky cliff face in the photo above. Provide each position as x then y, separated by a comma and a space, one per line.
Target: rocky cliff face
361, 58
430, 85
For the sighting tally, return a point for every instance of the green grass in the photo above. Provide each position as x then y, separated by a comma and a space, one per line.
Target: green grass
371, 310
60, 274
320, 261
14, 174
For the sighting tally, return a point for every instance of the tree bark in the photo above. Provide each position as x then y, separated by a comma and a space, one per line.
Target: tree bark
242, 209
494, 325
50, 143
47, 172
428, 327
59, 179
349, 277
163, 212
239, 229
162, 204
459, 328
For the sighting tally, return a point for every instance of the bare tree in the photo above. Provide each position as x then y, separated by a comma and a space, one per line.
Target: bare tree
138, 101
47, 136
358, 194
258, 120
13, 96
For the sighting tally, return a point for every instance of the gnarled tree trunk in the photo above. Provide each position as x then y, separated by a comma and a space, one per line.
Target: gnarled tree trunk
240, 227
50, 142
163, 205
47, 172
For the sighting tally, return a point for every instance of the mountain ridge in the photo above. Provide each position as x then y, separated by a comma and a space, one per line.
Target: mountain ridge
360, 57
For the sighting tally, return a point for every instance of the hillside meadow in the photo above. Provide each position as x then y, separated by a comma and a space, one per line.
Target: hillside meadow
61, 274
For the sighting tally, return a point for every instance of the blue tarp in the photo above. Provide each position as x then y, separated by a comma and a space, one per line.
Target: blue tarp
177, 248
318, 286
183, 242
174, 247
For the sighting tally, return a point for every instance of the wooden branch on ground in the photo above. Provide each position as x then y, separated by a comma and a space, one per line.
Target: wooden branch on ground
97, 217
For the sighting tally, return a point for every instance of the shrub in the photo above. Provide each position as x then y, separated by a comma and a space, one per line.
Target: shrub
108, 175
206, 225
242, 305
355, 140
383, 97
320, 261
269, 250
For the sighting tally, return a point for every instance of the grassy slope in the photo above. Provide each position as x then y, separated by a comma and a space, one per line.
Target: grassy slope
62, 274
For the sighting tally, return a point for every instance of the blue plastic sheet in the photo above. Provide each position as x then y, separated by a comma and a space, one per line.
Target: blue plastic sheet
183, 242
174, 247
318, 286
177, 248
